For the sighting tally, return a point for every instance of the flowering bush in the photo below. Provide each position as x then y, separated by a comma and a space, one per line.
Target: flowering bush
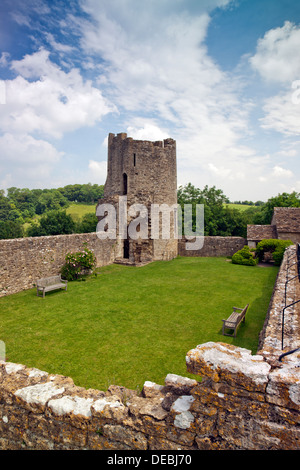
78, 263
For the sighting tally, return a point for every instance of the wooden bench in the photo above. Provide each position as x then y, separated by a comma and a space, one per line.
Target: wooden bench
234, 320
50, 283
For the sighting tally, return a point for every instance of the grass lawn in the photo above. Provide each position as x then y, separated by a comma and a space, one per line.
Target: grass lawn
127, 324
78, 210
241, 207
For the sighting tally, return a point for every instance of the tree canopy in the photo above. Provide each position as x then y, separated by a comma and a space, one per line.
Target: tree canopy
218, 218
21, 205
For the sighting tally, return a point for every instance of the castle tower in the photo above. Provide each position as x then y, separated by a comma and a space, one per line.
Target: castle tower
142, 172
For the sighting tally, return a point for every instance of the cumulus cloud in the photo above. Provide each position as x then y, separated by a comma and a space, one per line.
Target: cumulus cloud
277, 54
158, 68
276, 60
15, 147
281, 172
43, 103
98, 170
151, 67
25, 157
45, 99
147, 131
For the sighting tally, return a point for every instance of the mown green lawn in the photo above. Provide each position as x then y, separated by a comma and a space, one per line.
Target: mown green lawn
78, 210
128, 324
241, 207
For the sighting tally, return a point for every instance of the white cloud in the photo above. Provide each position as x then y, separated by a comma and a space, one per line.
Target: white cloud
288, 152
282, 114
277, 61
277, 54
152, 68
281, 172
157, 69
59, 47
45, 99
15, 147
155, 64
20, 18
24, 158
4, 59
98, 171
146, 131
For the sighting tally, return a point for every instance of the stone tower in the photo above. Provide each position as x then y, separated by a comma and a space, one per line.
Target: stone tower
142, 173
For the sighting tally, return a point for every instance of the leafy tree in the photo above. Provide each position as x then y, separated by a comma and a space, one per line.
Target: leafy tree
87, 193
23, 199
87, 224
52, 223
5, 208
50, 200
281, 200
218, 219
11, 229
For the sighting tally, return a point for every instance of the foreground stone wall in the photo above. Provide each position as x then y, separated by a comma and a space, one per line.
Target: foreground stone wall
242, 400
24, 260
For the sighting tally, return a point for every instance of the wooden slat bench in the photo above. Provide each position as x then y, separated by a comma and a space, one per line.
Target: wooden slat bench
50, 283
234, 320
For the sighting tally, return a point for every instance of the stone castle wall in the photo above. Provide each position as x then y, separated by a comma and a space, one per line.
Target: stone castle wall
241, 401
213, 246
24, 260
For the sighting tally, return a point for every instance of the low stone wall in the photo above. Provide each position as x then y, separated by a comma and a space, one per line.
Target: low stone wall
24, 260
244, 401
213, 246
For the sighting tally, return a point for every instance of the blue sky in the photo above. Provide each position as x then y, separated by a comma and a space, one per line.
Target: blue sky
221, 77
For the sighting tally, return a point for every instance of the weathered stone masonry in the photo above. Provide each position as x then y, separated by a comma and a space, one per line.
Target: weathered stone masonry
145, 173
24, 260
243, 401
212, 246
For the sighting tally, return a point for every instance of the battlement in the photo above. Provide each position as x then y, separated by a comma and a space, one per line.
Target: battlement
148, 167
123, 136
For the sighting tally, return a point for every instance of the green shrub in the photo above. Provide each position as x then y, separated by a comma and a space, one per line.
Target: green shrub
273, 246
78, 263
245, 256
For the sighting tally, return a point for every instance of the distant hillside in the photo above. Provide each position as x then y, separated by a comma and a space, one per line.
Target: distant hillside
241, 207
78, 210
